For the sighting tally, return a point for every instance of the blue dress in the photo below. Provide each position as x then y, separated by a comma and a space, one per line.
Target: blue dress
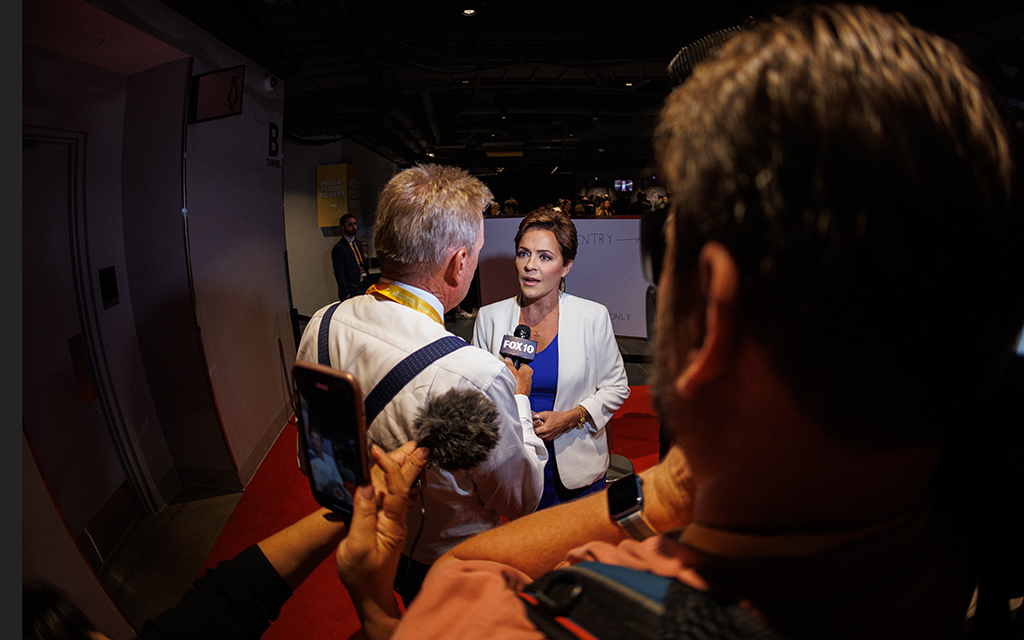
542, 398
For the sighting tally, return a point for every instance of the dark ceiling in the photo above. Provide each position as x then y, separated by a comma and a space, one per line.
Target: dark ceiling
525, 86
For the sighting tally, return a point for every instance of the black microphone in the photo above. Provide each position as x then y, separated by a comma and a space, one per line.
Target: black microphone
518, 346
460, 427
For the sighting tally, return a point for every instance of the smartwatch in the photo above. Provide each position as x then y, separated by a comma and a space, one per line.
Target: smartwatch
626, 507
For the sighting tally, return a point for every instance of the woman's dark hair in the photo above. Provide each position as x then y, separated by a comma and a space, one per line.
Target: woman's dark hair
557, 223
48, 614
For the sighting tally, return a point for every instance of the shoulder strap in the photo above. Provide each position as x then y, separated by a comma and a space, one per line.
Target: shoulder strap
406, 370
399, 376
590, 601
323, 349
595, 601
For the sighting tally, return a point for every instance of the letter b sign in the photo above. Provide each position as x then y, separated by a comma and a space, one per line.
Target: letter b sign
273, 140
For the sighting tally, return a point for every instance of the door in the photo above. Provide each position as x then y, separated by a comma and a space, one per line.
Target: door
63, 415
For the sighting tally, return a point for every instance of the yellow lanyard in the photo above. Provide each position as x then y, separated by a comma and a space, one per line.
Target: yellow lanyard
405, 298
358, 254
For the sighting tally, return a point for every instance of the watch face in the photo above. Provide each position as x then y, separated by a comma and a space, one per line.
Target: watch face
625, 496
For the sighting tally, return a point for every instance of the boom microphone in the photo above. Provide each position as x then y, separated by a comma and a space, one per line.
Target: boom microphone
460, 427
518, 346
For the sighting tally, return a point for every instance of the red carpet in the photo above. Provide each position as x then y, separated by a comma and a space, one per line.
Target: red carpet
279, 494
633, 430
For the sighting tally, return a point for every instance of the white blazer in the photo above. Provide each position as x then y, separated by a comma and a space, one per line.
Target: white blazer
590, 373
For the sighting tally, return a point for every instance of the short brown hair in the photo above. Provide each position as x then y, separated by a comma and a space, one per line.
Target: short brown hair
557, 223
865, 179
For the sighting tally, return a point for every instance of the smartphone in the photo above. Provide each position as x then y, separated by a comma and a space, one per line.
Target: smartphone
332, 433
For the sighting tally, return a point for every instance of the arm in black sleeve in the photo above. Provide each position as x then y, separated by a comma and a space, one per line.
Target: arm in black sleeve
338, 264
236, 600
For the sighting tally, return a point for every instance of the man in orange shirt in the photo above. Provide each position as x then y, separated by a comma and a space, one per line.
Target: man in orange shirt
840, 291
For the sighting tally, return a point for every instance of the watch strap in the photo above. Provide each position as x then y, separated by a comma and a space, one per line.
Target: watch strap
637, 526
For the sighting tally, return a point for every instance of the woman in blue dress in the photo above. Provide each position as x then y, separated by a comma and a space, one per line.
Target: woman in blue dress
579, 380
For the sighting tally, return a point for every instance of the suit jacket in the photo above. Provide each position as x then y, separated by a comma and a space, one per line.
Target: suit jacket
590, 373
346, 269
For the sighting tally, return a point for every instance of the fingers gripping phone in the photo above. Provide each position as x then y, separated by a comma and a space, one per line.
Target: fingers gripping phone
332, 432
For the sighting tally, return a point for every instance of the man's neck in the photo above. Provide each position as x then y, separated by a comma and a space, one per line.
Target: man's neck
436, 285
763, 465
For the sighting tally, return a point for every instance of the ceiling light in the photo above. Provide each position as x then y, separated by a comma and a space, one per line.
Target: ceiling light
629, 84
555, 169
469, 12
430, 154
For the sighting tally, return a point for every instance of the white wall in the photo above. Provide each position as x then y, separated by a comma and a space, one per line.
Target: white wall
309, 247
236, 250
606, 269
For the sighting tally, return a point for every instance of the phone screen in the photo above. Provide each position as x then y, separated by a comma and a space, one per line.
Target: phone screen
330, 419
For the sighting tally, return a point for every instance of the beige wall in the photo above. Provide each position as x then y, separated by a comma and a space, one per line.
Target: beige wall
309, 247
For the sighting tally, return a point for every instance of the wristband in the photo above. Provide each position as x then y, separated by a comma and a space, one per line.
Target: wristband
626, 507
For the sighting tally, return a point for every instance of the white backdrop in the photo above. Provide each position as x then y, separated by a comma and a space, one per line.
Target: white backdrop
606, 270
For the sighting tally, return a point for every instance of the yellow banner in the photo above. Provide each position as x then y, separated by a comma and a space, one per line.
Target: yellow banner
337, 193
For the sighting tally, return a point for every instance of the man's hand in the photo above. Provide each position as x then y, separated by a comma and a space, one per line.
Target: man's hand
523, 376
368, 557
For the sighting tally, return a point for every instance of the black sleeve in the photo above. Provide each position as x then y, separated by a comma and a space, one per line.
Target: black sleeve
237, 599
338, 264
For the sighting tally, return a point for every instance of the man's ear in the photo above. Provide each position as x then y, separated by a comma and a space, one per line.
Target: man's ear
454, 270
715, 325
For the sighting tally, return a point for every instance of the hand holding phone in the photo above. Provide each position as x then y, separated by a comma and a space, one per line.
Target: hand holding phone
332, 433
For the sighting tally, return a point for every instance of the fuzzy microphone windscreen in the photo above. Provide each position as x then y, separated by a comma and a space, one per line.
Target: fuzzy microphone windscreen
460, 427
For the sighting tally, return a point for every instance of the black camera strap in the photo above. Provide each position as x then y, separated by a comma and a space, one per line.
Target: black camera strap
385, 390
596, 601
406, 370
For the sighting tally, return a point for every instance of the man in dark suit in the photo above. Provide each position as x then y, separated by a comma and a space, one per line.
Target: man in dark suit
349, 262
640, 206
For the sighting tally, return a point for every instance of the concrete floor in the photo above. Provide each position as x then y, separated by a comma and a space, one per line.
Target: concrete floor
165, 552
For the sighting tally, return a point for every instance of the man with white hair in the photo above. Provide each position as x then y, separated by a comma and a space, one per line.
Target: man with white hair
429, 232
